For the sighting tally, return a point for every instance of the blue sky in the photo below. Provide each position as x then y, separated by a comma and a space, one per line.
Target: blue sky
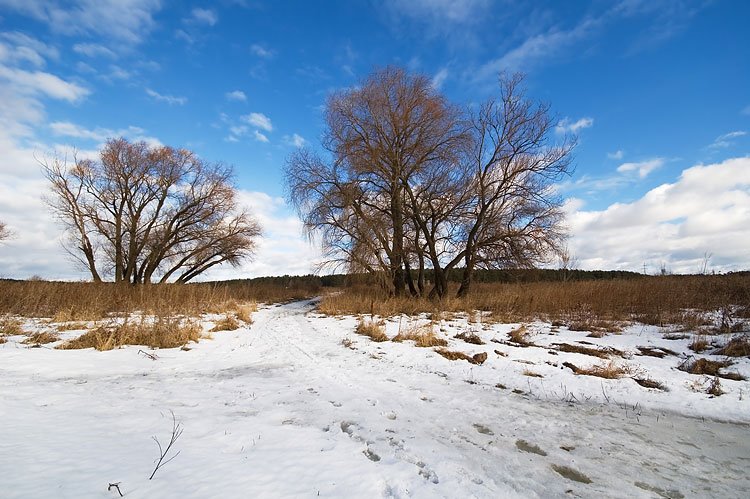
657, 91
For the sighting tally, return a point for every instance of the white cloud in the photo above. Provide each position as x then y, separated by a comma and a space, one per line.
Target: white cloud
440, 12
204, 16
746, 111
39, 82
705, 210
566, 126
618, 154
295, 140
259, 136
236, 95
122, 20
93, 50
19, 47
726, 140
439, 78
169, 99
261, 51
99, 134
643, 168
259, 120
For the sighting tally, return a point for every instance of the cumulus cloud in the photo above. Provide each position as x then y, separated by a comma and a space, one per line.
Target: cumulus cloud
705, 210
169, 99
236, 95
260, 137
567, 126
642, 168
259, 120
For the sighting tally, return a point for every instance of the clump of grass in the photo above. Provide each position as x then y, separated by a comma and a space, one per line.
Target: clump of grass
71, 326
161, 333
226, 323
710, 368
478, 358
532, 374
421, 336
11, 326
244, 311
594, 352
610, 370
347, 343
699, 344
374, 331
41, 338
650, 383
469, 337
76, 313
659, 352
520, 336
738, 346
715, 387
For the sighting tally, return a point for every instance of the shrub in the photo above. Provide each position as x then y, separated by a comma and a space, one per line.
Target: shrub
161, 333
421, 336
374, 331
227, 323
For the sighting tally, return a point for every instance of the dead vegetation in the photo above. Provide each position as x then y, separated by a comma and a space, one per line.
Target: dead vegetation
709, 367
532, 374
422, 336
602, 353
226, 323
163, 332
520, 336
739, 346
10, 326
659, 352
650, 383
373, 330
41, 338
469, 337
478, 358
610, 370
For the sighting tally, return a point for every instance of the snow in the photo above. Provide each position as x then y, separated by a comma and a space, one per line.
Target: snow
283, 409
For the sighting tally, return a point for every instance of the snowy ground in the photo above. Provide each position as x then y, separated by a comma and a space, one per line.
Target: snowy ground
283, 409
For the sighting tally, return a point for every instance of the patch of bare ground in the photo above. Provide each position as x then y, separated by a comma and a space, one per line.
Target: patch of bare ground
650, 383
525, 446
478, 358
571, 474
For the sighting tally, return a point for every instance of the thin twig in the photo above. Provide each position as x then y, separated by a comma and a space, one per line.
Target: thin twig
176, 432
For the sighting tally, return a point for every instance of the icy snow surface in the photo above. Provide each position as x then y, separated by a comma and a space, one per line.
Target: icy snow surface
283, 409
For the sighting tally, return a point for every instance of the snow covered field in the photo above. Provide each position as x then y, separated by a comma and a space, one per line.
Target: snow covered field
284, 409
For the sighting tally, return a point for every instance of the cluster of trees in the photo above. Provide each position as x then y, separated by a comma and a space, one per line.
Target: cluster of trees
142, 214
411, 182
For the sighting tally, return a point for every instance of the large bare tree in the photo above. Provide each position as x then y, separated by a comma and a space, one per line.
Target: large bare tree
145, 214
4, 232
380, 137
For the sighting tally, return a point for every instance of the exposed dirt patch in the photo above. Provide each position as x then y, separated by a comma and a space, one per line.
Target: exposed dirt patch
571, 474
525, 446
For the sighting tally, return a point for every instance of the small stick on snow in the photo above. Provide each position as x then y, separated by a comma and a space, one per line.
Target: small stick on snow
116, 485
176, 432
151, 356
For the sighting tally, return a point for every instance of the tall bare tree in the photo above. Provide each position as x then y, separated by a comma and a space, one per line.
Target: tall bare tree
4, 232
514, 218
145, 214
380, 136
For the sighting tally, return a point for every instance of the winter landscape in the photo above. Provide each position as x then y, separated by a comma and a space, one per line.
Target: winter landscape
374, 249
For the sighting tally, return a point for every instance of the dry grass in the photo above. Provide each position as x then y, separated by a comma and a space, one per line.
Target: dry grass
738, 346
520, 336
650, 383
11, 326
603, 353
423, 336
72, 326
715, 388
532, 374
610, 370
373, 330
86, 301
41, 338
657, 300
699, 344
226, 323
244, 311
469, 337
161, 333
478, 358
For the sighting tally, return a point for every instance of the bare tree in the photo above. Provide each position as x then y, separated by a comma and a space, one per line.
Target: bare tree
145, 214
514, 218
380, 137
4, 232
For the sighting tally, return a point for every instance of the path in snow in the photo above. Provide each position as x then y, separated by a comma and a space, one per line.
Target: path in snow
284, 410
